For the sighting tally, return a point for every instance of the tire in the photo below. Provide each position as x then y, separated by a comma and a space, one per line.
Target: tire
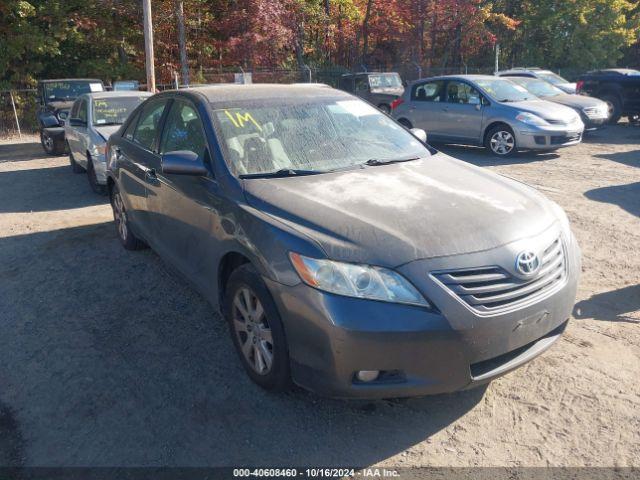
405, 123
501, 141
615, 108
75, 168
49, 144
127, 238
259, 338
93, 180
384, 108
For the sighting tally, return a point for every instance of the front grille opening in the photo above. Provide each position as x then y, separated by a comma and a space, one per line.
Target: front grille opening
486, 366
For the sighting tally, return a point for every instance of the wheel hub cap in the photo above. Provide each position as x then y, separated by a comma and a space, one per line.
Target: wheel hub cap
502, 143
253, 331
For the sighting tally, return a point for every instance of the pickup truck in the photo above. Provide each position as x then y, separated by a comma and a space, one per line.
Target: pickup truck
618, 87
55, 98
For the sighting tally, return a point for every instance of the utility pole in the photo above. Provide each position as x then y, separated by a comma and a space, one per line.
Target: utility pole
148, 45
497, 66
182, 43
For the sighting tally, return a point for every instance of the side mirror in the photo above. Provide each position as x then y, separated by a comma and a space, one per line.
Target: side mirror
183, 162
420, 134
76, 122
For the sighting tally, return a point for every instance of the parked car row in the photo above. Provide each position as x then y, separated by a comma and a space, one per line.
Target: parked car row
346, 254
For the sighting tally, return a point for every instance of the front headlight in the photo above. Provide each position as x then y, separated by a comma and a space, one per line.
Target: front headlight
360, 281
531, 119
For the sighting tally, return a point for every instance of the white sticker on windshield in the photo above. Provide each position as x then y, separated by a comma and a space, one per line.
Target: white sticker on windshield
101, 120
358, 108
95, 87
520, 89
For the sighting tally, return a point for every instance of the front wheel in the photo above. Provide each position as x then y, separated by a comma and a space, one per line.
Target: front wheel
615, 108
256, 329
501, 141
50, 145
93, 179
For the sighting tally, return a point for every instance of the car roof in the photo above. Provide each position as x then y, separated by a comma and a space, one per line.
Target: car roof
262, 91
619, 71
469, 77
118, 93
49, 80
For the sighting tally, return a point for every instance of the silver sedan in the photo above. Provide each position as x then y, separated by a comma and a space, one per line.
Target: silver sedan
92, 120
489, 111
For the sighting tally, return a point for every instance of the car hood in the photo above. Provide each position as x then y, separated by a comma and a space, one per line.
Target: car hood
393, 214
576, 101
545, 109
568, 87
106, 131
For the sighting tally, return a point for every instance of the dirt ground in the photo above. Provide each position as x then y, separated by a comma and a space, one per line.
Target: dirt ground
108, 359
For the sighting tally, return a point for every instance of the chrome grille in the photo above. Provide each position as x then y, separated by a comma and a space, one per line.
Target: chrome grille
493, 289
556, 122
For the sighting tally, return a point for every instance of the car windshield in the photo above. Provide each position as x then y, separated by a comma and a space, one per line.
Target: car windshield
539, 88
114, 111
387, 80
504, 90
70, 90
552, 78
262, 137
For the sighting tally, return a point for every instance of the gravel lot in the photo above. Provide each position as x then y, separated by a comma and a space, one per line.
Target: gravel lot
107, 358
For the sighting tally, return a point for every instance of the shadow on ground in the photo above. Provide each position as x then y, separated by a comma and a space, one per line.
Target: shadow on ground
18, 152
484, 158
613, 306
621, 134
626, 158
106, 358
625, 196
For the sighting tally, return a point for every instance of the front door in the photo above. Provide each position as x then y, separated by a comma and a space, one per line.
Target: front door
462, 111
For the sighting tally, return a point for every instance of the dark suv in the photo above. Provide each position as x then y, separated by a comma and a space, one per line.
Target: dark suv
379, 89
55, 98
619, 87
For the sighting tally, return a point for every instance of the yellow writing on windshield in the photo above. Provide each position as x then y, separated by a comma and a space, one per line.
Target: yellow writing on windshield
241, 119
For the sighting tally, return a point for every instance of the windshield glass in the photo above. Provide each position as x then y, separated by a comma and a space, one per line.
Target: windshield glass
386, 80
552, 78
325, 135
539, 88
504, 90
114, 111
66, 90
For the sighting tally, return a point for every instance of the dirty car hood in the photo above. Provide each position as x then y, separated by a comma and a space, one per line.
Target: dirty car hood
393, 214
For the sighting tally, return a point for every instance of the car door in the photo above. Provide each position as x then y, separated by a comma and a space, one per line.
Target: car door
137, 159
71, 133
80, 131
187, 205
424, 112
461, 113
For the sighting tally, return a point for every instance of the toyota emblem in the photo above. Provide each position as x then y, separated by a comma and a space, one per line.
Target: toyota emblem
527, 263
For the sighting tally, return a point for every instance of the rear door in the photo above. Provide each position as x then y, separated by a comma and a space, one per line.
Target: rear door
426, 106
462, 113
137, 159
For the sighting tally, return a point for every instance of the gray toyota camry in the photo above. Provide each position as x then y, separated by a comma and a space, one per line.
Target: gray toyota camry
345, 254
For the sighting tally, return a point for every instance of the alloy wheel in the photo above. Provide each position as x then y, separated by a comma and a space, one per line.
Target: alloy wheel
502, 142
253, 331
120, 216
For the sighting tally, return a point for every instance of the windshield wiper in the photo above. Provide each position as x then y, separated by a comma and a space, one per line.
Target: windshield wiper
285, 172
374, 162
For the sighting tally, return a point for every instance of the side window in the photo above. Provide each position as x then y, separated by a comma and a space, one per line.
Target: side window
428, 92
148, 125
128, 133
82, 110
183, 130
459, 92
74, 109
361, 85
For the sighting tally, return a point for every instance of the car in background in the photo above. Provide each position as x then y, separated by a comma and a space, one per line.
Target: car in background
55, 98
344, 253
379, 89
618, 87
126, 85
487, 110
546, 75
593, 112
92, 120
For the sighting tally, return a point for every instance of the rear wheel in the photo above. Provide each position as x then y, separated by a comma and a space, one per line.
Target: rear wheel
501, 141
93, 180
256, 329
127, 238
615, 107
405, 123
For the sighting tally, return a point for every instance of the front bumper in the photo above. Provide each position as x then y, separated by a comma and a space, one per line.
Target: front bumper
419, 352
548, 138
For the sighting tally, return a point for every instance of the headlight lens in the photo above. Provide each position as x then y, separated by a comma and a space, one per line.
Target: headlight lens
530, 119
360, 281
